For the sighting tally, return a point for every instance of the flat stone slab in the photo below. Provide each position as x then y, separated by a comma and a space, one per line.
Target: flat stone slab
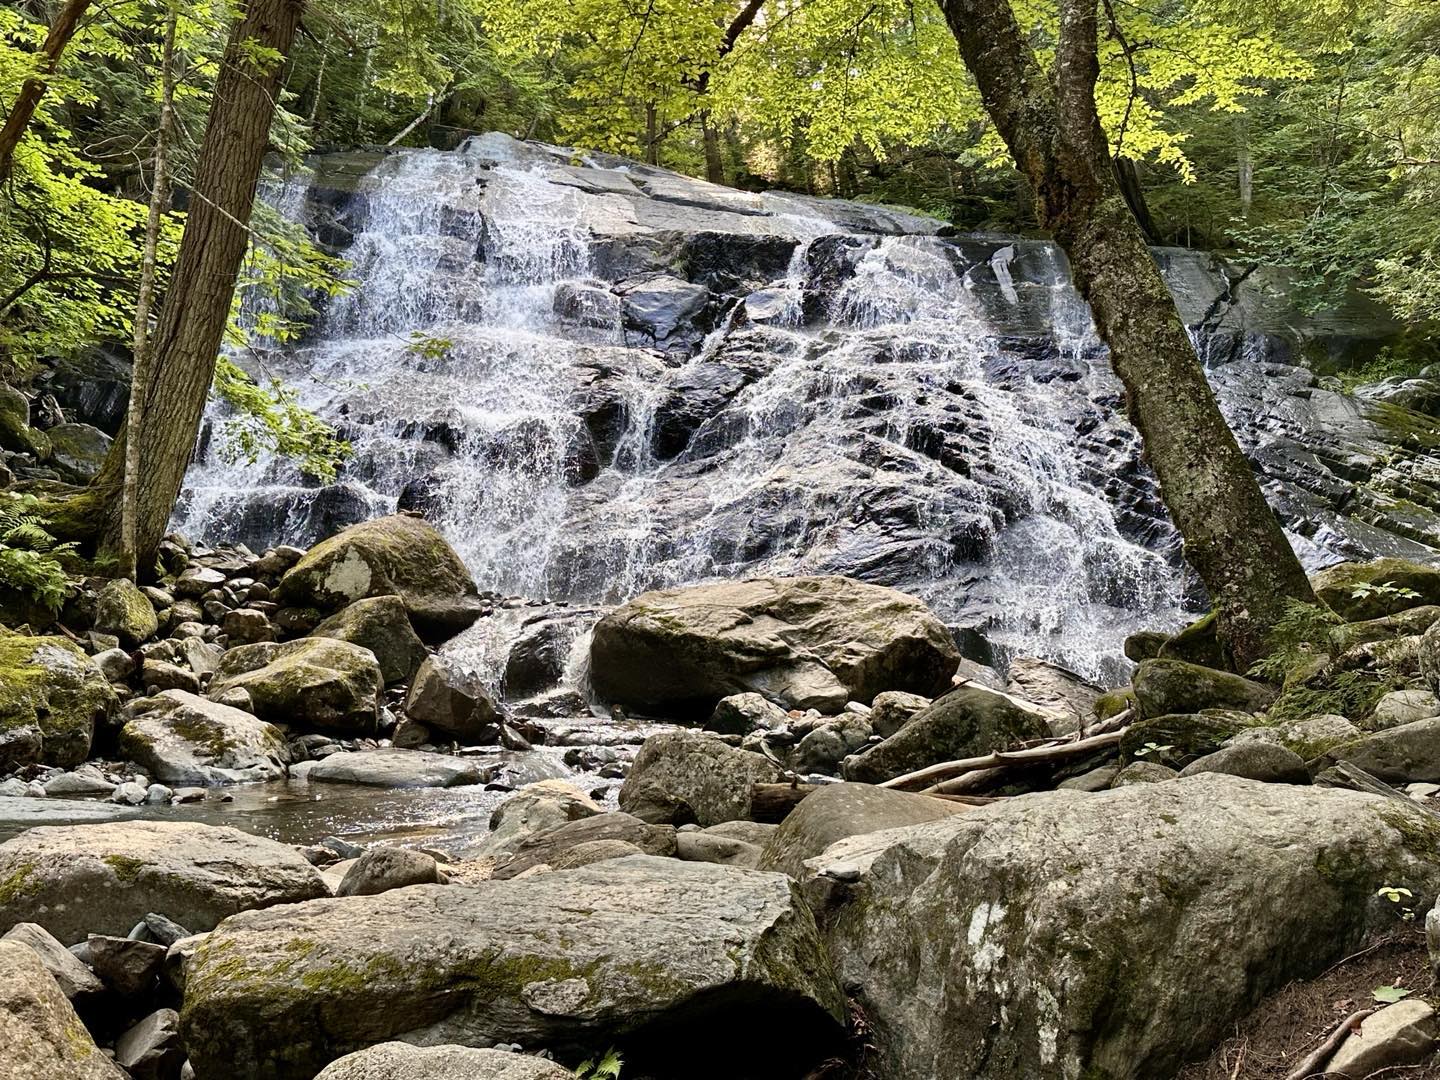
396, 768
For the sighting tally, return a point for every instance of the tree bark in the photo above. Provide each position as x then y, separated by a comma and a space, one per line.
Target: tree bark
192, 321
1051, 126
714, 163
32, 90
145, 295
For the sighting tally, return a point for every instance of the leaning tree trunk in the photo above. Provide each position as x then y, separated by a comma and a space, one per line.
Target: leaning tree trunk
192, 320
1051, 126
32, 90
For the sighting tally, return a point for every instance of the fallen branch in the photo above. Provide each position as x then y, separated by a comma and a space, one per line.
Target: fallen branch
1056, 750
1350, 777
1322, 1053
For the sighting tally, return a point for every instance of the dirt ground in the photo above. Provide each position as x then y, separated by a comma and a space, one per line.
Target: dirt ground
1284, 1028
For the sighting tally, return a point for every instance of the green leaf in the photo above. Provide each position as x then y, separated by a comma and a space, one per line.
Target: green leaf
1388, 995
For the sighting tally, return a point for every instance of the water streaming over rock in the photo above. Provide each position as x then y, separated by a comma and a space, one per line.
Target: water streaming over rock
597, 377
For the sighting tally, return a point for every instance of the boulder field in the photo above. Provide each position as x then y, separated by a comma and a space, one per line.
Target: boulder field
797, 834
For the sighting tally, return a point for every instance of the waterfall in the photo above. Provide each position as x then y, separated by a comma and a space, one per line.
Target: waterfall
596, 377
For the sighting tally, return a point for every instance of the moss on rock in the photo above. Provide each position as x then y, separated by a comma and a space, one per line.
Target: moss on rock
50, 684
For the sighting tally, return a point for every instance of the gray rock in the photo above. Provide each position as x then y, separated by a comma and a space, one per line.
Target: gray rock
689, 776
1403, 707
1143, 772
1099, 779
1166, 687
836, 811
1058, 954
123, 610
395, 769
114, 664
246, 626
509, 961
1405, 1033
315, 682
382, 625
150, 1049
1429, 657
129, 793
165, 931
1406, 754
76, 981
535, 810
824, 747
815, 642
724, 850
448, 701
382, 868
188, 740
51, 697
1344, 587
196, 581
659, 305
401, 1061
890, 711
42, 1036
127, 966
968, 721
158, 675
740, 714
1266, 762
77, 450
86, 780
552, 847
1054, 687
104, 878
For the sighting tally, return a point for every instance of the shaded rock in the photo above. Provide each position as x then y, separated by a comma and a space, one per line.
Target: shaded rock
127, 966
1053, 687
826, 745
1180, 738
687, 776
1266, 762
42, 1037
15, 430
1145, 645
78, 450
552, 846
51, 698
1100, 779
836, 811
1405, 1033
115, 664
509, 961
592, 852
451, 702
104, 878
380, 624
534, 810
813, 642
1428, 657
1406, 754
159, 676
890, 711
395, 769
1143, 772
399, 555
401, 1061
383, 868
123, 610
186, 739
966, 722
1403, 707
722, 850
316, 682
740, 714
1059, 956
76, 981
1165, 687
1369, 590
150, 1049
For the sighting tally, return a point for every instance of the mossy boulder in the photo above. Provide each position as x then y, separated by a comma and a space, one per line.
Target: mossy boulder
1405, 623
1407, 754
1065, 934
1184, 736
1370, 590
1163, 687
103, 878
685, 777
804, 642
382, 625
966, 722
318, 683
182, 739
78, 450
1265, 761
645, 954
401, 1061
41, 1036
123, 610
51, 698
1198, 643
399, 555
15, 430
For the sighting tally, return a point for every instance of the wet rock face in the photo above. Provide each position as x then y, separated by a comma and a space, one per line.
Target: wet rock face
1058, 934
653, 381
477, 965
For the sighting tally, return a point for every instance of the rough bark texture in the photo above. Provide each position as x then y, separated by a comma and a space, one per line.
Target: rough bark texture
187, 337
1052, 129
61, 31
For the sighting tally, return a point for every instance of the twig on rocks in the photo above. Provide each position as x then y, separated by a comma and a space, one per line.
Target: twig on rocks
1322, 1053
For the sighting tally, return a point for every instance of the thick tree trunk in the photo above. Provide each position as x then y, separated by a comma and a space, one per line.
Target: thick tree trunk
1231, 537
192, 320
32, 90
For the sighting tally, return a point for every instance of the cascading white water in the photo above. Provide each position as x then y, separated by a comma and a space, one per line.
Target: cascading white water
809, 466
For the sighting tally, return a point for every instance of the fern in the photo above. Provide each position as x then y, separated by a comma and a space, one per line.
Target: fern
606, 1068
29, 555
1298, 638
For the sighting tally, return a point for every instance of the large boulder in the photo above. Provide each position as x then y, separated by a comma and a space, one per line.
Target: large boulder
836, 811
1407, 754
316, 683
452, 702
1180, 738
1061, 934
15, 430
807, 642
76, 880
401, 1061
551, 846
382, 625
964, 723
41, 1037
123, 610
51, 698
1163, 687
393, 768
183, 739
1369, 590
399, 555
685, 777
668, 957
78, 450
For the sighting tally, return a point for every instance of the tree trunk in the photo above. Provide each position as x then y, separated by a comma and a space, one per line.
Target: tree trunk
1127, 177
1244, 165
1053, 131
652, 134
714, 163
32, 90
192, 320
145, 295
